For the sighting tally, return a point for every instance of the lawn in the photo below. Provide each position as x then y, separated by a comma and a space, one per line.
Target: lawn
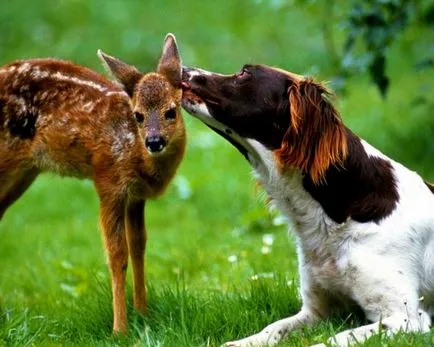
219, 264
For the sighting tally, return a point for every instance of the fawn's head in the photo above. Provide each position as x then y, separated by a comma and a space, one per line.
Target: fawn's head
156, 97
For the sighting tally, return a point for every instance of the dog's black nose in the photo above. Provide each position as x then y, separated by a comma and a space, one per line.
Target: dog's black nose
155, 144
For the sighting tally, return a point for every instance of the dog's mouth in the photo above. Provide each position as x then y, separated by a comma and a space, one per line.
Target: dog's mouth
189, 96
198, 107
193, 96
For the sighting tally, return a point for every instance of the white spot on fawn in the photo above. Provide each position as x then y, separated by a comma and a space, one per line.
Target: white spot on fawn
88, 106
10, 69
44, 95
20, 102
37, 74
130, 137
122, 138
117, 148
24, 88
25, 67
122, 93
61, 77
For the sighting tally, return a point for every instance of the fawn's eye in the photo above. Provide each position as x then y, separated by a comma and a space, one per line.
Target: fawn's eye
170, 114
139, 117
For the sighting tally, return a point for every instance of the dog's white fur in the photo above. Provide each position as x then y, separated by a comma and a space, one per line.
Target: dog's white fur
387, 269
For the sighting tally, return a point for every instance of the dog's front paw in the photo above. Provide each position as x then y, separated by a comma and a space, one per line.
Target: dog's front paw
251, 341
267, 337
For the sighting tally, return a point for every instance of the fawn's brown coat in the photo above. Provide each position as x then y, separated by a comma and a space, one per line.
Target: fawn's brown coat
128, 137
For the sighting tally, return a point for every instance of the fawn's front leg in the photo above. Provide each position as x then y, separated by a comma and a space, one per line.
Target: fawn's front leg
136, 237
113, 226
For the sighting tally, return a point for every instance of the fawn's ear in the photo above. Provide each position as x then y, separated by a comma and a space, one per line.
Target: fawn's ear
170, 62
125, 74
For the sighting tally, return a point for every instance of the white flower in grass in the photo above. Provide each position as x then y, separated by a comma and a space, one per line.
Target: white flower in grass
183, 187
232, 259
279, 220
268, 239
266, 250
255, 277
236, 232
204, 140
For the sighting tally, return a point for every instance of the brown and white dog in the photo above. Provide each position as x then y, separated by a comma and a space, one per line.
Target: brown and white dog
364, 223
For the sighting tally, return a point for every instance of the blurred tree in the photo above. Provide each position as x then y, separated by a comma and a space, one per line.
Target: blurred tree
378, 23
371, 27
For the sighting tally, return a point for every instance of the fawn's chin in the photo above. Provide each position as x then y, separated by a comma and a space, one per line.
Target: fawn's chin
156, 154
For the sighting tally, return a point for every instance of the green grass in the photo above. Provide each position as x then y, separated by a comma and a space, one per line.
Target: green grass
209, 277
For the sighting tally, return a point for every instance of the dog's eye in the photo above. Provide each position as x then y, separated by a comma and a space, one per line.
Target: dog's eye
170, 114
139, 117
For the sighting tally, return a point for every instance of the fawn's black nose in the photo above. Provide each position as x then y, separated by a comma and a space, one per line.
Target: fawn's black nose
155, 144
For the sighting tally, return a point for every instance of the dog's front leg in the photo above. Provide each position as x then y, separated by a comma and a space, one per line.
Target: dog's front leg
276, 331
388, 298
316, 305
388, 326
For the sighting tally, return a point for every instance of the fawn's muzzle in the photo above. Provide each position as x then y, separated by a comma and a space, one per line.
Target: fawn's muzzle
155, 144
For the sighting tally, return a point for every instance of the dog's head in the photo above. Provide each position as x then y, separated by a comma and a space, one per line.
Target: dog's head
288, 114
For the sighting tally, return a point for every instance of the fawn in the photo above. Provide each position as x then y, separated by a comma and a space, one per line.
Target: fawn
128, 137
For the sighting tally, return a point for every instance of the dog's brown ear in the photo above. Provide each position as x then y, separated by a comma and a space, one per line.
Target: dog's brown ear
316, 136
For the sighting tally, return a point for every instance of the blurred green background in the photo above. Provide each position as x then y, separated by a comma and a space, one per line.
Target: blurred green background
211, 234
